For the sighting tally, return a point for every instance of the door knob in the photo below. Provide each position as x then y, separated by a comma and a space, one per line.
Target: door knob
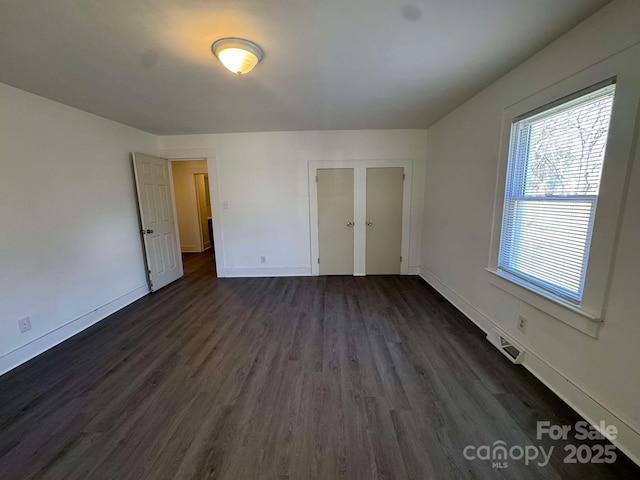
350, 224
149, 231
369, 223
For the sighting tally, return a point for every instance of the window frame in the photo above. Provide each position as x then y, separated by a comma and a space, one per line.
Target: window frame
517, 192
588, 315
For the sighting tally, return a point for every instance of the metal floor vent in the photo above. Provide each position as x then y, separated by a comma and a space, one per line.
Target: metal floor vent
509, 349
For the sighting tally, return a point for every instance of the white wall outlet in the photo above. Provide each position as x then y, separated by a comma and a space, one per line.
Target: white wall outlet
24, 324
263, 259
225, 205
522, 324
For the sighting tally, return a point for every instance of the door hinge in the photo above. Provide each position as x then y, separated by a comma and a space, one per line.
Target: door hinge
403, 177
400, 258
318, 259
316, 178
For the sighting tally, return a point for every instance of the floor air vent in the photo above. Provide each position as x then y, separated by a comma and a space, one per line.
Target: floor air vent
509, 349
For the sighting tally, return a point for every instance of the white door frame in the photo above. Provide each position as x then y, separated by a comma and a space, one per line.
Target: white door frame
209, 155
199, 215
360, 209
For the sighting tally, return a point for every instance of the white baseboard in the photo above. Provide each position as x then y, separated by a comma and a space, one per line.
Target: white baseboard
281, 272
585, 403
267, 272
35, 347
189, 249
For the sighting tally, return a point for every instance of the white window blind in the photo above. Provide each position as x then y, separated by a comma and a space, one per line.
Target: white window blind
553, 178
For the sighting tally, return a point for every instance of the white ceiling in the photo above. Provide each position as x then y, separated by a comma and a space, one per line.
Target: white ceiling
329, 64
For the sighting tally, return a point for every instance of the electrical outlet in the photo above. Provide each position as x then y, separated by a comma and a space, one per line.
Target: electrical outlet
522, 324
24, 324
225, 205
263, 259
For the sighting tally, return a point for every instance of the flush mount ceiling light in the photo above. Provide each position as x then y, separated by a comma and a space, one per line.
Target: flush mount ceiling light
237, 54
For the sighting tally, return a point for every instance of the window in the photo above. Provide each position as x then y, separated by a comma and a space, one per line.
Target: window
555, 162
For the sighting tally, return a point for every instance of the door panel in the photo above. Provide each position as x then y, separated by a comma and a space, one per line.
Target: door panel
384, 220
156, 215
335, 213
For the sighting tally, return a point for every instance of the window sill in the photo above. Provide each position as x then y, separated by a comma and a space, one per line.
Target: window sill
582, 320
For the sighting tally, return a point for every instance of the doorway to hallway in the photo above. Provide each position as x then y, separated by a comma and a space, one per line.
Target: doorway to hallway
199, 263
193, 205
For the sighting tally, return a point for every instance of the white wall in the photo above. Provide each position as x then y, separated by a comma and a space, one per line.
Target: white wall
184, 190
70, 250
264, 179
599, 377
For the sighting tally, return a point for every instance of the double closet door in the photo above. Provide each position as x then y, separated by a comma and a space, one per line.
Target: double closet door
382, 222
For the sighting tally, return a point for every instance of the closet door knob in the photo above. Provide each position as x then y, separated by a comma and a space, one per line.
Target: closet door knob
350, 224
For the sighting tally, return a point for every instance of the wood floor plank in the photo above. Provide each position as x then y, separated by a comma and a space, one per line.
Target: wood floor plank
278, 378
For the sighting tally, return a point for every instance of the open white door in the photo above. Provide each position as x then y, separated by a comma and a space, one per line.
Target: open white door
158, 225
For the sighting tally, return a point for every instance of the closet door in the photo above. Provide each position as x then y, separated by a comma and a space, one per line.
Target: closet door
335, 221
384, 220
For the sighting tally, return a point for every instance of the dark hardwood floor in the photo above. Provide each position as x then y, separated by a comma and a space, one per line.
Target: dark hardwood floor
279, 378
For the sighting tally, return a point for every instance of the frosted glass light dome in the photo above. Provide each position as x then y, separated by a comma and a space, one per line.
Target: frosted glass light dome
236, 54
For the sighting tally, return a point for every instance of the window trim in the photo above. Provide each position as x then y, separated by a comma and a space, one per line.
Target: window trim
587, 317
515, 191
